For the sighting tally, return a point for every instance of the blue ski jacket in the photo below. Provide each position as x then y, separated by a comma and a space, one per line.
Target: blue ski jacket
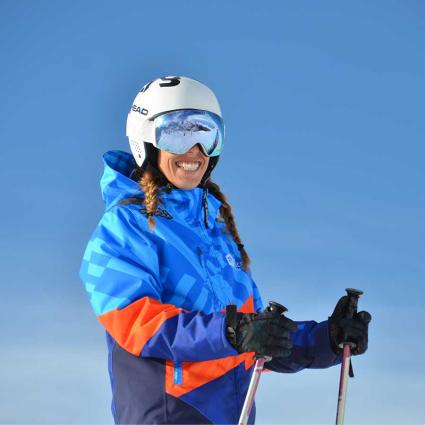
161, 295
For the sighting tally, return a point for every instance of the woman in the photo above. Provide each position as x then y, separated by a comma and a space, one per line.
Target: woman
166, 259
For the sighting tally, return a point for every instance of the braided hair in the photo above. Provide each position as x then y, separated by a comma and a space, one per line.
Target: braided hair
227, 215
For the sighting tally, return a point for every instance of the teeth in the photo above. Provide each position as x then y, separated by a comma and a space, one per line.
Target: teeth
188, 166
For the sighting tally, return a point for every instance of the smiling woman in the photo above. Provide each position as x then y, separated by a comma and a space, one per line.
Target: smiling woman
166, 260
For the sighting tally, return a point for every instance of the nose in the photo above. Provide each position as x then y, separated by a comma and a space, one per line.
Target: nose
194, 149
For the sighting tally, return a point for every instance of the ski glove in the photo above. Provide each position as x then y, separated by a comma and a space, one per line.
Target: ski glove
342, 329
266, 334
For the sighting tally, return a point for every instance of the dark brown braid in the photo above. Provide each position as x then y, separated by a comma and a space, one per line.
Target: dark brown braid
150, 182
227, 215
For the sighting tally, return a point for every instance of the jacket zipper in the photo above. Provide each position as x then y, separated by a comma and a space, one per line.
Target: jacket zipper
205, 204
204, 226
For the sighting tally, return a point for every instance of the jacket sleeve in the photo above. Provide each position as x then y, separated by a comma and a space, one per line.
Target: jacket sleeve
312, 347
121, 273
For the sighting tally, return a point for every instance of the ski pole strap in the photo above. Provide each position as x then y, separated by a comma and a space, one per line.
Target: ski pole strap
231, 313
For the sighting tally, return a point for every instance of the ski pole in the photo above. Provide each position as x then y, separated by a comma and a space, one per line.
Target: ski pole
346, 366
277, 309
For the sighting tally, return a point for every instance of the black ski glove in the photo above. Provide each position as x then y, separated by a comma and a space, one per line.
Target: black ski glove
355, 330
266, 334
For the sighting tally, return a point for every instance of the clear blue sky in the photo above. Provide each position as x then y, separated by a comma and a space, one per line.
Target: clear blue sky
323, 164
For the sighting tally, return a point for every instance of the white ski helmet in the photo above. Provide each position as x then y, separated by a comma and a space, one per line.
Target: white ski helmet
162, 95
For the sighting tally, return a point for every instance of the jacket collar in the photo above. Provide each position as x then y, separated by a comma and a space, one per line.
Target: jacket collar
116, 184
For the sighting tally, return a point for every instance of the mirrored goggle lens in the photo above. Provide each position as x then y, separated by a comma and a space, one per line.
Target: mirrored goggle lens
178, 131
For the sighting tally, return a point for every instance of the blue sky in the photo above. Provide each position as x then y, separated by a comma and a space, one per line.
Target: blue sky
323, 164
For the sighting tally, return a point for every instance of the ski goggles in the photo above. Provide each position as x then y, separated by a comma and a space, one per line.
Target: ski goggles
178, 131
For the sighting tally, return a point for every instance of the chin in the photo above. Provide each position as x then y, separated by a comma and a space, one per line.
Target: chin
187, 185
183, 182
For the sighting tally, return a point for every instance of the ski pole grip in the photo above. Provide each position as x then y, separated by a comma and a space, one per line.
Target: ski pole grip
353, 298
276, 308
